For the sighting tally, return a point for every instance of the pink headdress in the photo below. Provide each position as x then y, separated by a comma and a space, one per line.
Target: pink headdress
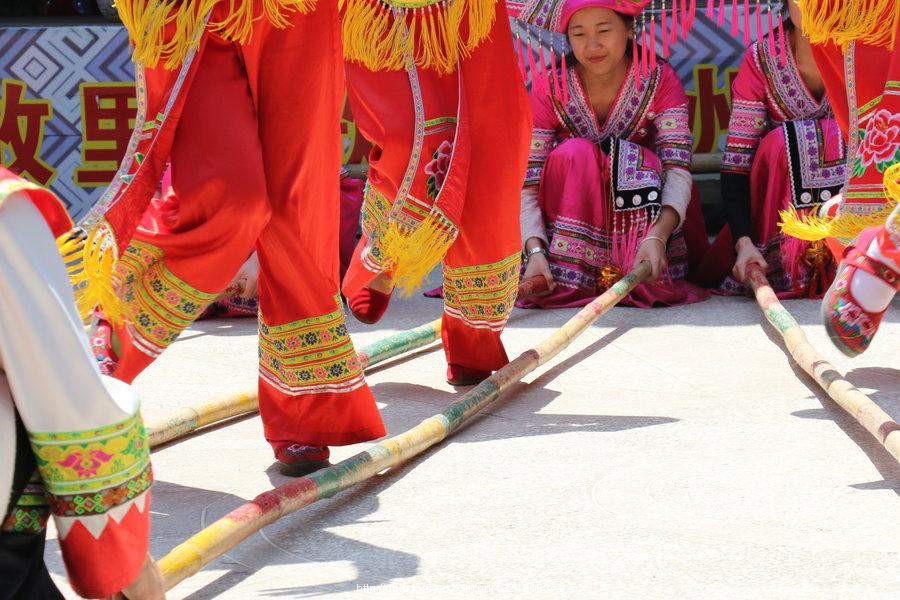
675, 18
629, 8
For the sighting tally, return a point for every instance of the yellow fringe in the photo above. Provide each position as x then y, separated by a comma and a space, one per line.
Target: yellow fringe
426, 30
410, 257
843, 21
148, 21
892, 182
90, 259
845, 227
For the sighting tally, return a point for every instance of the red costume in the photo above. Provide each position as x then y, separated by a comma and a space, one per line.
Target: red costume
449, 156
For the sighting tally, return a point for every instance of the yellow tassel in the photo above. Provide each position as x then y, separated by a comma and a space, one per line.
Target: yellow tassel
410, 257
381, 33
90, 259
148, 23
843, 21
845, 227
892, 182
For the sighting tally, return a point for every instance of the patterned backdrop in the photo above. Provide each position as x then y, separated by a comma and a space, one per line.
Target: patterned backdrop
67, 102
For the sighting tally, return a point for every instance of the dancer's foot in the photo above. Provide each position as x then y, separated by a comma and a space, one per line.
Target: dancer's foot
853, 307
369, 304
297, 459
459, 375
103, 344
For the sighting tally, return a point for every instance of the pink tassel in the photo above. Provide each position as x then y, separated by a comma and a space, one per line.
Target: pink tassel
665, 33
746, 22
542, 68
673, 26
652, 44
555, 73
735, 16
521, 58
565, 81
759, 29
781, 42
532, 69
644, 57
635, 56
709, 9
770, 38
721, 18
685, 19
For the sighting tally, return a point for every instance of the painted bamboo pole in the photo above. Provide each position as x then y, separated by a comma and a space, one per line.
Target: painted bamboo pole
204, 547
532, 286
846, 395
191, 418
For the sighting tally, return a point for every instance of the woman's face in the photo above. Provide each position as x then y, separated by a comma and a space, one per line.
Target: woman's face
599, 38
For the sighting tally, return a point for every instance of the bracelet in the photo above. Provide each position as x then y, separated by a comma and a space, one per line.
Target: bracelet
657, 238
536, 250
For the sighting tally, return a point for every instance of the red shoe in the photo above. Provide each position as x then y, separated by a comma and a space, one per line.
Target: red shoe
300, 459
850, 327
460, 375
368, 305
102, 347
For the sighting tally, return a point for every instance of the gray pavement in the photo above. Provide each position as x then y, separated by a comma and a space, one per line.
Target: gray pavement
667, 453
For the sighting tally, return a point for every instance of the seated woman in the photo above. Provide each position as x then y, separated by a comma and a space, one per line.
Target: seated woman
609, 180
784, 150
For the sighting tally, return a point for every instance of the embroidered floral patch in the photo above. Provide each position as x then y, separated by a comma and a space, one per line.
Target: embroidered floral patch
309, 356
159, 305
437, 168
482, 296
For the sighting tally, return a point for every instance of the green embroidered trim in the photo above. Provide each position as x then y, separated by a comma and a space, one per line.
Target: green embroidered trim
86, 461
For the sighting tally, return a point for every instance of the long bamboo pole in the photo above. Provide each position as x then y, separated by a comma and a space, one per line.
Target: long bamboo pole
190, 418
204, 547
867, 413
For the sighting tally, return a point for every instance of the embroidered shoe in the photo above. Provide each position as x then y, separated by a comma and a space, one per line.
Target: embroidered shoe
102, 347
368, 305
299, 459
459, 375
851, 327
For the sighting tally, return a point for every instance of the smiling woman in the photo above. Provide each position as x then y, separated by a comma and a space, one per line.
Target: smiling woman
609, 179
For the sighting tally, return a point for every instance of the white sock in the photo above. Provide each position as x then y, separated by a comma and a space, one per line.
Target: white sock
872, 293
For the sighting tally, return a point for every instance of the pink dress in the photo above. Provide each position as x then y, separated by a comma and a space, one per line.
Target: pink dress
598, 187
784, 149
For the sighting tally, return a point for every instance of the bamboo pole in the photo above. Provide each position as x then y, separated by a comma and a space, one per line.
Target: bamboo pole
191, 418
204, 547
846, 395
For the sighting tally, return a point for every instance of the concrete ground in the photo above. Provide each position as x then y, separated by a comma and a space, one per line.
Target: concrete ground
667, 453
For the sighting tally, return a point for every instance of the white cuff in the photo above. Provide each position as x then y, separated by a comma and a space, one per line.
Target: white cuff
676, 191
531, 220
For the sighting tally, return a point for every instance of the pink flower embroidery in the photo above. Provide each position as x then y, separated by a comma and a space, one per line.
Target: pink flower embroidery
438, 167
86, 465
854, 316
172, 298
325, 337
882, 137
320, 373
159, 333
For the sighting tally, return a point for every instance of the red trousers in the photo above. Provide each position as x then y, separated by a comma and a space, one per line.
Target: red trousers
255, 163
492, 134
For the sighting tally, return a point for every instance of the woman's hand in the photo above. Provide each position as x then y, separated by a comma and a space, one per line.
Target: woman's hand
246, 283
747, 253
148, 585
538, 265
653, 250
